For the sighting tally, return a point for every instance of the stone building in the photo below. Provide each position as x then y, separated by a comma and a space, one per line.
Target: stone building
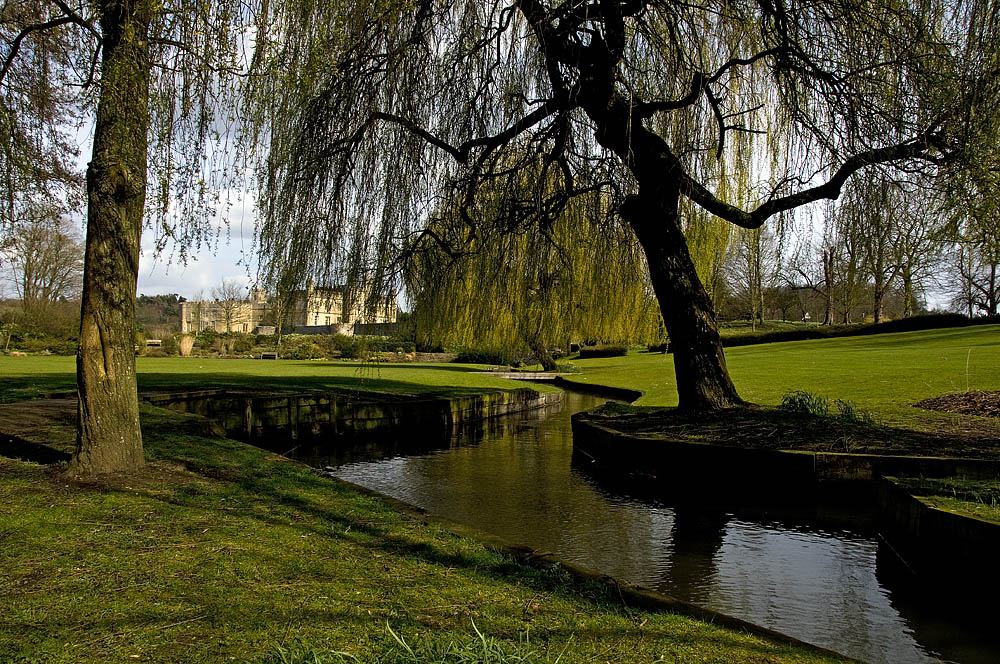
224, 316
315, 311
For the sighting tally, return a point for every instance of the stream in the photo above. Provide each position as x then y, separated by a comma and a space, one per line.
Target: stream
820, 574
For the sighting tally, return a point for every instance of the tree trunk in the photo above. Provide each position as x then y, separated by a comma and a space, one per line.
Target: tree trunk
993, 296
878, 303
907, 277
703, 381
542, 354
828, 287
108, 436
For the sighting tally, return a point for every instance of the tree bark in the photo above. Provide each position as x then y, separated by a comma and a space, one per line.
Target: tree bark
542, 354
703, 381
108, 436
878, 308
907, 277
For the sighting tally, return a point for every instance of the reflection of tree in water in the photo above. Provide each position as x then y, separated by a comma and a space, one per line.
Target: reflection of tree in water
965, 633
336, 450
695, 538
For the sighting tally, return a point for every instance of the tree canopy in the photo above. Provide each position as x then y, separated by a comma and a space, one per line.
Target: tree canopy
375, 113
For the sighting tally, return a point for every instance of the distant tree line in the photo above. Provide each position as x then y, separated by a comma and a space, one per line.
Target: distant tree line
888, 249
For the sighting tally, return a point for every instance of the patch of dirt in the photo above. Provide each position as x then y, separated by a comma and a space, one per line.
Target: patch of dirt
982, 403
43, 430
770, 428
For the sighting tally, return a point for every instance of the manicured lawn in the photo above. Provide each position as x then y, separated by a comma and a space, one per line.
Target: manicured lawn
222, 552
29, 377
883, 373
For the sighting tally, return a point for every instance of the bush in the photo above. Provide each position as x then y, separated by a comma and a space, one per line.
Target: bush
169, 345
44, 345
806, 403
352, 348
206, 338
482, 356
912, 324
306, 350
243, 343
606, 350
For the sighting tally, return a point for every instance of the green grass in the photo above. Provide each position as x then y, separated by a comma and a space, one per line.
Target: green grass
223, 552
742, 328
226, 553
979, 498
33, 376
884, 374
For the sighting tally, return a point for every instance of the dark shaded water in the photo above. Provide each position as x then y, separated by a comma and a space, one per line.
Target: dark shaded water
809, 573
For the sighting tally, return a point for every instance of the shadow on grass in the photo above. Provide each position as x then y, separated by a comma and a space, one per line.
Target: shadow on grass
290, 384
21, 388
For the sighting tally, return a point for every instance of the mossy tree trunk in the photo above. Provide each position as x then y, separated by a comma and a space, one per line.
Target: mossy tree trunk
108, 437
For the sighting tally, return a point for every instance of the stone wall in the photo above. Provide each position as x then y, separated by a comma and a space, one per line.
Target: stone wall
312, 418
694, 461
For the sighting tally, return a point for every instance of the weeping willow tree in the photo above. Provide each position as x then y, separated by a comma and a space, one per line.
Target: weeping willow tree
375, 112
153, 75
582, 276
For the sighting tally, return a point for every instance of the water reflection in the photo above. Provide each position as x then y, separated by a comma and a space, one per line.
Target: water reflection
789, 570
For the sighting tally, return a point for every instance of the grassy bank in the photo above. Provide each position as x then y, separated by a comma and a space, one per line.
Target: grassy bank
30, 377
883, 373
223, 552
980, 499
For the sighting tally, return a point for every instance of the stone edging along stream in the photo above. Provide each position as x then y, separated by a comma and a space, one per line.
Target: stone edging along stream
957, 548
620, 451
631, 596
255, 416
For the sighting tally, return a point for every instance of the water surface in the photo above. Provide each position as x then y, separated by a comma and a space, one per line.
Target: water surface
827, 581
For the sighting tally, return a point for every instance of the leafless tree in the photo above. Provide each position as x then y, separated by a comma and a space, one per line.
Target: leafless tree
230, 297
45, 259
754, 266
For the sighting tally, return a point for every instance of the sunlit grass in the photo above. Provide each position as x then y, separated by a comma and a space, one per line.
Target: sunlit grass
884, 374
223, 552
30, 377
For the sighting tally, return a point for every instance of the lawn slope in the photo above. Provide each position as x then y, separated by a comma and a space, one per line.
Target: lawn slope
223, 552
884, 373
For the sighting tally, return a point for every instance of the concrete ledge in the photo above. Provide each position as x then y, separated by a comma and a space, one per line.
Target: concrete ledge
523, 375
619, 393
955, 548
661, 457
316, 417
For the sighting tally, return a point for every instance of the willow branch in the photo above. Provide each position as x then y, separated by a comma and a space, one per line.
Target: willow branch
461, 153
78, 19
15, 45
917, 148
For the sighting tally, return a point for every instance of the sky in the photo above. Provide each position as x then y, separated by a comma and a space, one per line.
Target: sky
206, 268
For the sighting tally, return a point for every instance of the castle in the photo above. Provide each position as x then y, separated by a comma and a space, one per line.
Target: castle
314, 311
